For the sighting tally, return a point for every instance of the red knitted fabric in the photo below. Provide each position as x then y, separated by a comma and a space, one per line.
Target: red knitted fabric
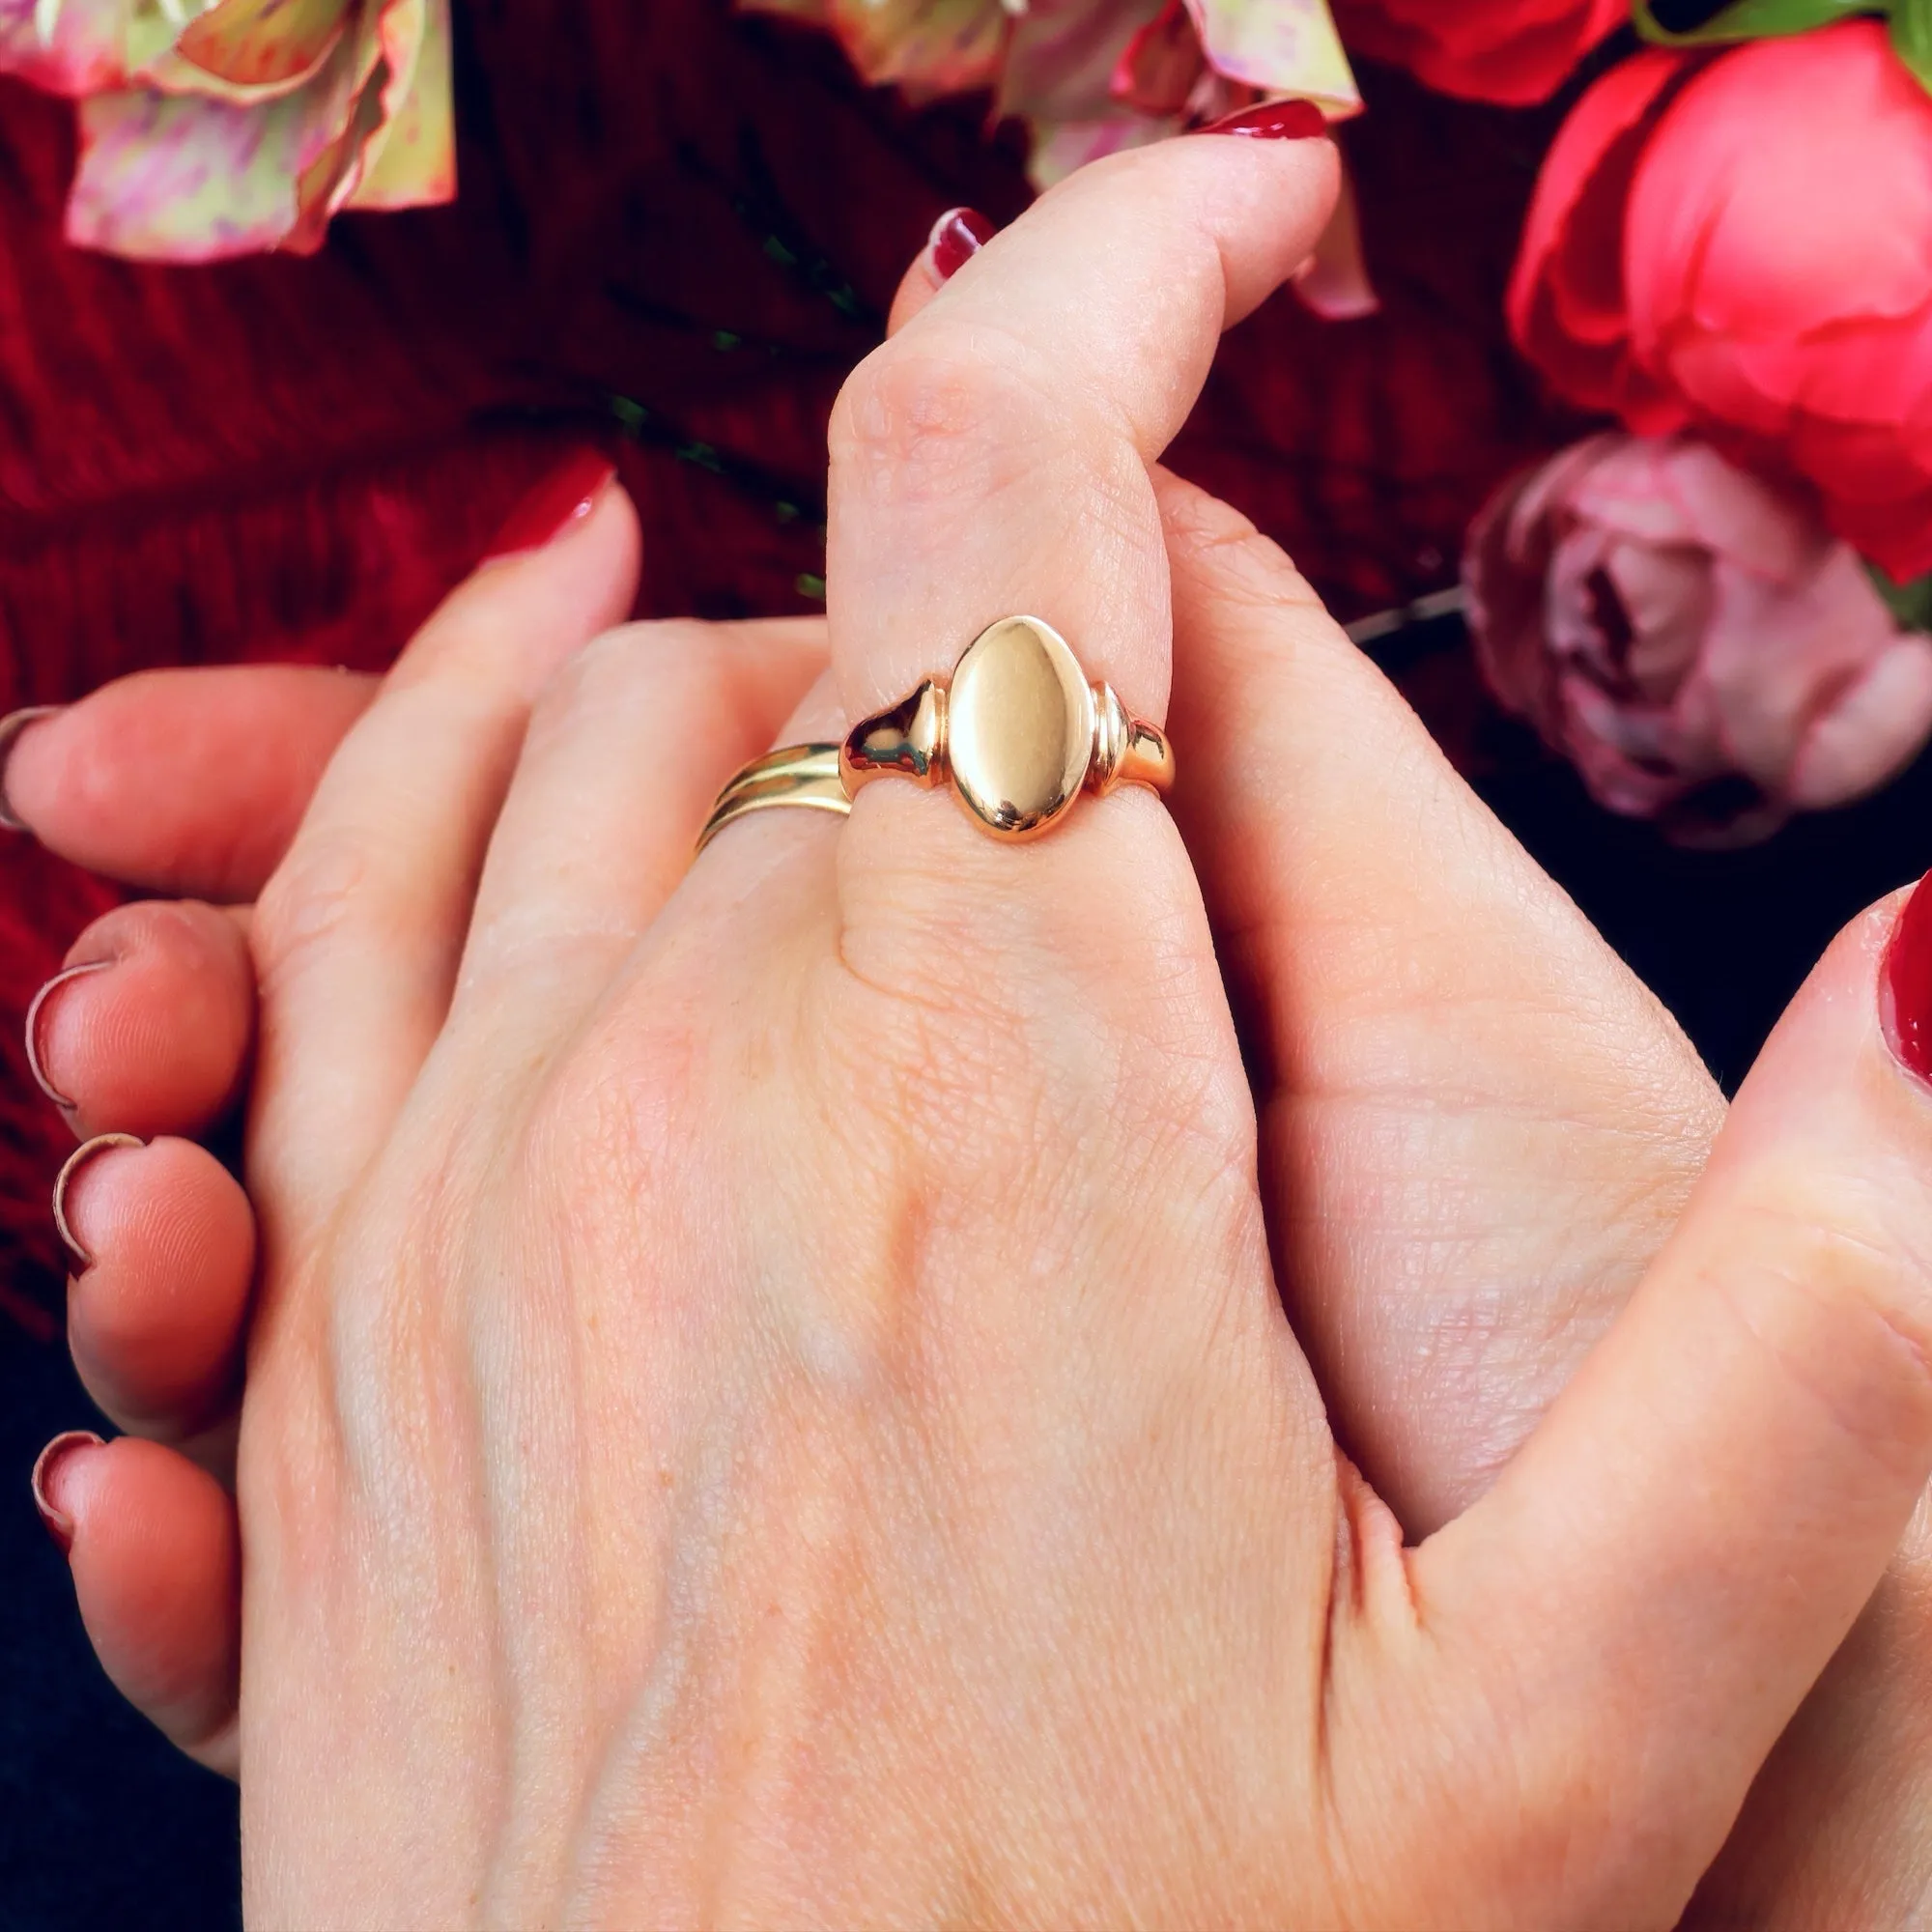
705, 216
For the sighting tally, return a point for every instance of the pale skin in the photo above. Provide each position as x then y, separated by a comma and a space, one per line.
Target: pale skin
945, 1473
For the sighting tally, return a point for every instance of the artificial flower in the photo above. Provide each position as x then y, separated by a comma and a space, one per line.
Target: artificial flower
1093, 76
208, 130
1568, 307
1511, 51
1742, 243
1692, 638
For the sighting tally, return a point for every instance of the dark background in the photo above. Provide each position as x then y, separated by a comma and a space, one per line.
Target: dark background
704, 218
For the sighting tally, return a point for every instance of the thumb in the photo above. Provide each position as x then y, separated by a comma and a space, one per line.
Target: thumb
1645, 1597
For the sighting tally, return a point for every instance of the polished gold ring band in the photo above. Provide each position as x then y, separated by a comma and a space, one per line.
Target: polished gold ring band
805, 775
1017, 731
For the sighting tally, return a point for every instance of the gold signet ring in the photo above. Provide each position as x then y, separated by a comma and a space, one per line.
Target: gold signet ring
1016, 730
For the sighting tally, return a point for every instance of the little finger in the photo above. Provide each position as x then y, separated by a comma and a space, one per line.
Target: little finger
155, 1549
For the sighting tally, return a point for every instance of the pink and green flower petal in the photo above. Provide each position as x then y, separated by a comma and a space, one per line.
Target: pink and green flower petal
1063, 54
929, 46
1061, 147
187, 179
175, 178
66, 46
329, 179
412, 159
1279, 46
249, 50
342, 130
1162, 65
153, 28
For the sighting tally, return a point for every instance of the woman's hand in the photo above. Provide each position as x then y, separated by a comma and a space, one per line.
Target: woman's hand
194, 781
1285, 980
769, 1398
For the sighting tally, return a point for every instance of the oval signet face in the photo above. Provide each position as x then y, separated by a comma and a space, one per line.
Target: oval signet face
1019, 727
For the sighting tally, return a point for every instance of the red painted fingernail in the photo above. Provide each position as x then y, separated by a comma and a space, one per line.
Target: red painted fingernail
957, 236
565, 497
56, 1460
36, 1017
75, 1161
1273, 121
1906, 983
11, 728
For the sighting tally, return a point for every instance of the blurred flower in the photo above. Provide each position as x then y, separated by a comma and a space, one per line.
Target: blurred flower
1092, 76
1742, 243
1511, 51
1567, 304
1691, 639
213, 129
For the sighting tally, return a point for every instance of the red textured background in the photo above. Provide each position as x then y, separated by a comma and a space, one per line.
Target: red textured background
295, 458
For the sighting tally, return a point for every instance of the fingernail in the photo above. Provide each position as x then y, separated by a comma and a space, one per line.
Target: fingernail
55, 1460
1906, 983
11, 728
957, 236
36, 1062
1273, 121
565, 497
75, 1161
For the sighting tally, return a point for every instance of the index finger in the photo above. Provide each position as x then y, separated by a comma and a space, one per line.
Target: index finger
190, 779
992, 457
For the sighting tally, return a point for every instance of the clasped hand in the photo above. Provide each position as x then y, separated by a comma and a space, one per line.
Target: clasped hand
802, 1387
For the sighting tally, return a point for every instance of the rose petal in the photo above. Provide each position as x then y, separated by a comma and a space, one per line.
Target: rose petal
1754, 236
1706, 372
1725, 509
1877, 727
1774, 652
1565, 301
1667, 599
1501, 50
1896, 536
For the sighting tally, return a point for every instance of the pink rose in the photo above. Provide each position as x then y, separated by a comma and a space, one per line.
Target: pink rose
1742, 243
1691, 639
214, 127
1511, 51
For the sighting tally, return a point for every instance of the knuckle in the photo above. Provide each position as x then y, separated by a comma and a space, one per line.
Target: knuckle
1248, 566
613, 1113
940, 412
999, 1028
1840, 1301
312, 897
659, 664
